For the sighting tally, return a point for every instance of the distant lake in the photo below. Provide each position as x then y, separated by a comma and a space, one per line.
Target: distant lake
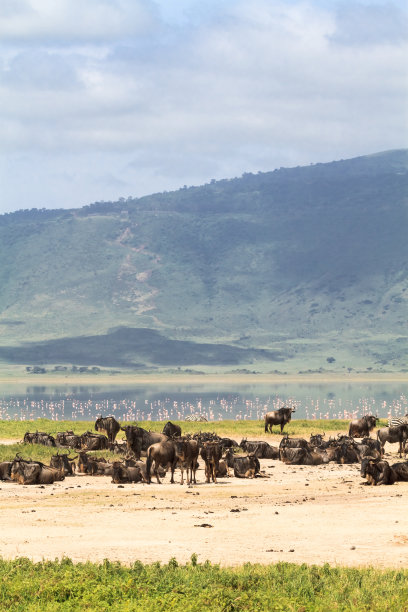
215, 402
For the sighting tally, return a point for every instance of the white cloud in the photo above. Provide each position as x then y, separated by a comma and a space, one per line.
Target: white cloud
250, 87
74, 20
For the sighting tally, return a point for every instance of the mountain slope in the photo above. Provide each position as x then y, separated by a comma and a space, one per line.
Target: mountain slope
305, 263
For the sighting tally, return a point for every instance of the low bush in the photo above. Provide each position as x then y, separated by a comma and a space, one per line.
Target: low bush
63, 585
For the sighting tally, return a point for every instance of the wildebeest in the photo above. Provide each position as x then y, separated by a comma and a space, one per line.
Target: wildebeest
278, 417
39, 437
206, 436
223, 469
63, 462
121, 473
91, 441
90, 465
373, 445
262, 449
170, 430
287, 442
393, 435
68, 438
138, 439
377, 472
5, 470
120, 448
401, 470
131, 462
347, 452
369, 450
360, 428
109, 425
211, 453
34, 472
302, 456
241, 465
228, 443
246, 467
316, 439
161, 454
186, 455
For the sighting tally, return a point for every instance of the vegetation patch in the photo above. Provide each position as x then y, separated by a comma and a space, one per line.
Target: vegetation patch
17, 429
63, 585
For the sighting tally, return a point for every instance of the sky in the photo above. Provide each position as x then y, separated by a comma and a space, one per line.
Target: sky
103, 99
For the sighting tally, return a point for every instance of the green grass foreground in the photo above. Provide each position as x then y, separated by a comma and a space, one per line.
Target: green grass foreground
241, 429
63, 585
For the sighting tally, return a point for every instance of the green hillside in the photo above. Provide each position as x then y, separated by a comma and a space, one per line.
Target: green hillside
296, 269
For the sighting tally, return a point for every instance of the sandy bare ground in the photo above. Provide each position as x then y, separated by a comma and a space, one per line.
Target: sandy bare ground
299, 514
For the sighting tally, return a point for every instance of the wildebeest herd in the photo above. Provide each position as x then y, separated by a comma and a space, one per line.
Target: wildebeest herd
222, 457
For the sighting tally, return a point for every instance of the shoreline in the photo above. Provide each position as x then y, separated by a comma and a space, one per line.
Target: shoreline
201, 379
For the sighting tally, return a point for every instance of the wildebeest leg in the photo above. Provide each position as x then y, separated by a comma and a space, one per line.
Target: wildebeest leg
173, 467
189, 472
214, 475
182, 473
193, 471
156, 471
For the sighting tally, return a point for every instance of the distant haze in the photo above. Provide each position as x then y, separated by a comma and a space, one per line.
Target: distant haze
101, 100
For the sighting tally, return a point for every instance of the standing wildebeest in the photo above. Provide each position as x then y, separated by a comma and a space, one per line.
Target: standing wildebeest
360, 428
161, 454
278, 417
211, 452
138, 439
108, 425
393, 435
170, 429
187, 453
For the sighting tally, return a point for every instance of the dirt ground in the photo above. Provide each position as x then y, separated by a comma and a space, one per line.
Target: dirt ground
298, 514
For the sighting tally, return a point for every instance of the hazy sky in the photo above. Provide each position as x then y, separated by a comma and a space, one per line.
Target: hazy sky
101, 99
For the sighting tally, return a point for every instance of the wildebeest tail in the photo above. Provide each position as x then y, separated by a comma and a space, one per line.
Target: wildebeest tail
148, 464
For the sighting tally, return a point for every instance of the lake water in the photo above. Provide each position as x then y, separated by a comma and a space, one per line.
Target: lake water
215, 402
